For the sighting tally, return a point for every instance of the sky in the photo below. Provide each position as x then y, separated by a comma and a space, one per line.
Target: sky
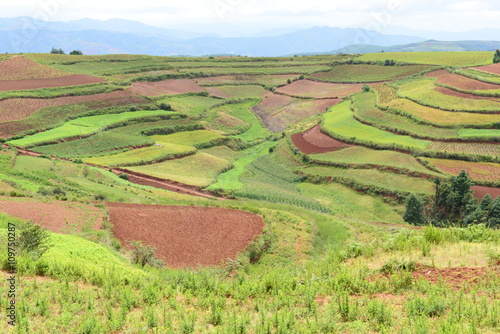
259, 15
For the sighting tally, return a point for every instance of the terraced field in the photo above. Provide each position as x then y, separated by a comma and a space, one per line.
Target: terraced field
368, 73
478, 171
319, 90
237, 92
459, 59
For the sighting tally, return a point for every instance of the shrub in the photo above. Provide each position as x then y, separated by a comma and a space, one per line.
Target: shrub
414, 212
144, 254
33, 240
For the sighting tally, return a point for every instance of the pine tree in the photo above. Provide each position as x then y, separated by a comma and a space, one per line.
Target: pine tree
414, 211
486, 202
496, 57
494, 213
476, 217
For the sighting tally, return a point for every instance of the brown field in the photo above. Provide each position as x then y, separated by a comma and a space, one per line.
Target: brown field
278, 111
237, 91
21, 68
452, 92
480, 191
266, 79
494, 68
309, 88
459, 81
69, 80
479, 171
172, 86
57, 216
467, 148
19, 108
314, 141
186, 236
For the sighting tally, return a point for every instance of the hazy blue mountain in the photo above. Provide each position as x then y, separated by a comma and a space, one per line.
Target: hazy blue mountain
24, 34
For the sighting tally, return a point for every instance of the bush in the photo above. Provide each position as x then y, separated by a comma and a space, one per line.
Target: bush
76, 53
33, 240
144, 254
123, 176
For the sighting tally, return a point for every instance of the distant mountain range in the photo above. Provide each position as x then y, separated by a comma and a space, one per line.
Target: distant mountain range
24, 34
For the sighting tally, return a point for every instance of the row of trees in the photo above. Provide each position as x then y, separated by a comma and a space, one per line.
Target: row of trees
453, 203
61, 52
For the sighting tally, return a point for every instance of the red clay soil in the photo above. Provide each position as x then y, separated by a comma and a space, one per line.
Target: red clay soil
452, 92
186, 236
316, 89
460, 81
21, 68
455, 277
494, 68
70, 80
480, 191
56, 216
314, 141
476, 170
170, 185
172, 86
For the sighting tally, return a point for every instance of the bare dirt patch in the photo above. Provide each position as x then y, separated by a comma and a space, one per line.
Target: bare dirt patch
21, 68
480, 191
277, 112
57, 216
70, 80
172, 86
314, 141
315, 89
476, 170
494, 68
459, 81
455, 277
186, 236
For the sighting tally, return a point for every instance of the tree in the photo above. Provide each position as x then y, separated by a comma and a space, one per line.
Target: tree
34, 240
76, 53
414, 210
475, 217
486, 202
496, 57
145, 254
494, 213
57, 51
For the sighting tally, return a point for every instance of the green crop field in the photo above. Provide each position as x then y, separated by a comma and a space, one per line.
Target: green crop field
378, 236
367, 112
460, 59
340, 123
375, 178
85, 126
368, 73
424, 92
359, 155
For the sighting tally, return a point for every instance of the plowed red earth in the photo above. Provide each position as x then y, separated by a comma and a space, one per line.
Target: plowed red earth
173, 86
309, 88
314, 141
494, 68
70, 80
186, 236
21, 68
452, 92
57, 216
480, 191
459, 81
477, 171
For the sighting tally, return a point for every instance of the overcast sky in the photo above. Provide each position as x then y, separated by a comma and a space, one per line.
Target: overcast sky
380, 15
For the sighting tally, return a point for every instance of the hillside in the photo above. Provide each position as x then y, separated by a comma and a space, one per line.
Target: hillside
352, 193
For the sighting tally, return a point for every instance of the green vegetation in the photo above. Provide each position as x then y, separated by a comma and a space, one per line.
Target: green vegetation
85, 126
459, 59
369, 73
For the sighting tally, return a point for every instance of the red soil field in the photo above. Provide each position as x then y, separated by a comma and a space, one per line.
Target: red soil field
172, 86
278, 111
309, 88
494, 68
70, 80
186, 236
480, 191
21, 68
247, 78
476, 170
235, 92
56, 216
459, 81
314, 141
452, 92
20, 108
